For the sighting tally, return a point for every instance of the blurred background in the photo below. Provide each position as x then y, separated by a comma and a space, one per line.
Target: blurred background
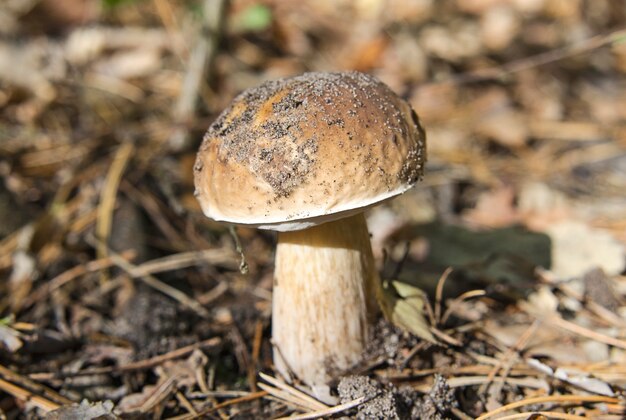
106, 258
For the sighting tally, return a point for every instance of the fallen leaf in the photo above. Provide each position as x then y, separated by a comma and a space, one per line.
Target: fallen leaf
403, 305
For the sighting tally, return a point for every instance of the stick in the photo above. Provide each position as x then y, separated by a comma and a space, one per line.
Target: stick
330, 411
549, 399
107, 200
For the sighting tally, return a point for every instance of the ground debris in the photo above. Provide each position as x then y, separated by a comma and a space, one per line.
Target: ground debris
84, 411
524, 104
600, 289
389, 402
382, 402
153, 331
438, 403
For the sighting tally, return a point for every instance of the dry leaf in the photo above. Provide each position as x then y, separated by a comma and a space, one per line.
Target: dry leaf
403, 305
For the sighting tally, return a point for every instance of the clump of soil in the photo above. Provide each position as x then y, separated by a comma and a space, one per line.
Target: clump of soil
387, 342
383, 402
437, 404
388, 402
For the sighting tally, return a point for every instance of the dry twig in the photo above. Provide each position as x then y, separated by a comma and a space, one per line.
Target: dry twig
25, 389
290, 394
107, 199
330, 411
577, 399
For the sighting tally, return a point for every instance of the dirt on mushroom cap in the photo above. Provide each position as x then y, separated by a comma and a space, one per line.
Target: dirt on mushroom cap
308, 146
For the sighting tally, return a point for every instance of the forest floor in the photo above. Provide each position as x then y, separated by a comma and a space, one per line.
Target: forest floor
119, 299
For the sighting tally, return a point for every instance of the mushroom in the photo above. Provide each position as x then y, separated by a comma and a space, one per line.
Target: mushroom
306, 156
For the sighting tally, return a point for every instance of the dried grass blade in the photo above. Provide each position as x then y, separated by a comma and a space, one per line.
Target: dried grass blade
186, 259
285, 397
465, 296
546, 414
330, 411
299, 394
164, 288
439, 293
549, 399
25, 389
585, 332
71, 274
249, 397
107, 199
25, 395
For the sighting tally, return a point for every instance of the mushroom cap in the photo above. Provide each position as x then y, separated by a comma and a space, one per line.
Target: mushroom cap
297, 152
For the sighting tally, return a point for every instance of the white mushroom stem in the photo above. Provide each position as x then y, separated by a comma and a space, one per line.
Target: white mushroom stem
324, 296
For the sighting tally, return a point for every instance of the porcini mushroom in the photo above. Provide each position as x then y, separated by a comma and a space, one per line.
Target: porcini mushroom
305, 156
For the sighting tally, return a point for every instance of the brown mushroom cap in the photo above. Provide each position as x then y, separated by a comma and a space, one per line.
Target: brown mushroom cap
298, 152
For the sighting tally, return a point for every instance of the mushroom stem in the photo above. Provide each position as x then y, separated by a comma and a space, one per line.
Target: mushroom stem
324, 296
